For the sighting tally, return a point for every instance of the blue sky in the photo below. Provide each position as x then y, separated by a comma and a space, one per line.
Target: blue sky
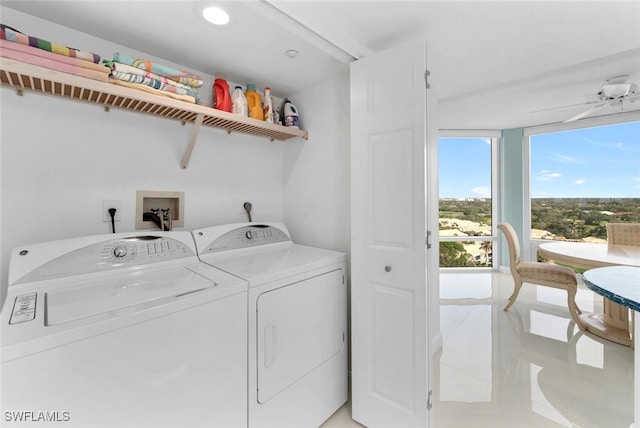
465, 168
586, 163
592, 162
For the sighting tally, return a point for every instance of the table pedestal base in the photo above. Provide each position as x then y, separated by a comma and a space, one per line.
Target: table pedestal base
595, 324
615, 315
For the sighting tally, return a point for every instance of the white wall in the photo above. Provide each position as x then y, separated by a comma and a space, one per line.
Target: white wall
317, 173
317, 194
60, 158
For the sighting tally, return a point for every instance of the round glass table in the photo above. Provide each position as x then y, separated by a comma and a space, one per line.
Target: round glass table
613, 324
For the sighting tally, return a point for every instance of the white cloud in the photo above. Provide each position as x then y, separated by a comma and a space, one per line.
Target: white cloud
604, 144
482, 191
549, 174
565, 159
579, 181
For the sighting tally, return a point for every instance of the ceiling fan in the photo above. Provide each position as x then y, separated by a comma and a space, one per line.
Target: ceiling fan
615, 92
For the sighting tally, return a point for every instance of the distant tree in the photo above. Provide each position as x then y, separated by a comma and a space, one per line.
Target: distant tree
486, 248
453, 254
568, 218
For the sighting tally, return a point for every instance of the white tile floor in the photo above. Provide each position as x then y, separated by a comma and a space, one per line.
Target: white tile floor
529, 367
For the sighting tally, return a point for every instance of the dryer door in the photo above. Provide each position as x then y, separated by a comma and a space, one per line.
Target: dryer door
299, 327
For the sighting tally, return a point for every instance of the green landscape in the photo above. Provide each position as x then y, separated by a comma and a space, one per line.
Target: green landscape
575, 219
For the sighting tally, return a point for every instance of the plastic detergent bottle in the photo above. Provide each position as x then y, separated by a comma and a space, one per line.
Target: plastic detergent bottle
268, 106
221, 93
239, 102
290, 113
253, 102
276, 114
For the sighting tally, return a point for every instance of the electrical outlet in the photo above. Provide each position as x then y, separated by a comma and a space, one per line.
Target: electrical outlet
111, 203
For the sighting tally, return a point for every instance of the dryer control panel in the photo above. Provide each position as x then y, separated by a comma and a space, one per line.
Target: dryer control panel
100, 256
248, 236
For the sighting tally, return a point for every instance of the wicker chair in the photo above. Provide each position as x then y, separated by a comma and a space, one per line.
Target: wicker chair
623, 233
539, 273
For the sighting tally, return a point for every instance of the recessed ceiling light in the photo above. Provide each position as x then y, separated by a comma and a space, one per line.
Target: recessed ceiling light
291, 53
215, 15
212, 13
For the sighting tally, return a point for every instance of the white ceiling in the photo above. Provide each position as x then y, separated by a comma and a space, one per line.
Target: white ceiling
492, 63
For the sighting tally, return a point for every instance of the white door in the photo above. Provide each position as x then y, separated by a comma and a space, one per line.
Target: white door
433, 249
388, 276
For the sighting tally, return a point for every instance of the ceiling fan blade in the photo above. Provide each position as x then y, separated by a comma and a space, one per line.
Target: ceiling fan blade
563, 107
585, 113
633, 98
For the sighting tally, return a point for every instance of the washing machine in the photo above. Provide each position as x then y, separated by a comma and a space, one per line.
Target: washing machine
122, 330
297, 336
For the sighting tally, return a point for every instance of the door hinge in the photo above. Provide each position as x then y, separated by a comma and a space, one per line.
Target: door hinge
427, 239
429, 402
427, 73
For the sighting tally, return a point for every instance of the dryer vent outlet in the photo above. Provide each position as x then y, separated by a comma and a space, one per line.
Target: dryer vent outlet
146, 200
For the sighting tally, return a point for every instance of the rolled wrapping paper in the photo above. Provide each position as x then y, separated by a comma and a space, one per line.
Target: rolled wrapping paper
14, 46
54, 65
185, 77
146, 88
13, 35
135, 75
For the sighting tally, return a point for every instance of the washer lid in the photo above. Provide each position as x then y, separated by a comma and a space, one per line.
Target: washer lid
122, 294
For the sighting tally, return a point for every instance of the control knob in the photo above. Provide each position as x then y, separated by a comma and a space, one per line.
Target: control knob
120, 251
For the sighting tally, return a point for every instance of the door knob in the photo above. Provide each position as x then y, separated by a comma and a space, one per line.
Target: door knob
387, 268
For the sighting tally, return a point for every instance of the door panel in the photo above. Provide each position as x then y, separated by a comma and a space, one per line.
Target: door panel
388, 353
388, 265
391, 191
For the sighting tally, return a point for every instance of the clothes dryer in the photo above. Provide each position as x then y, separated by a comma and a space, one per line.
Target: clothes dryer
297, 321
126, 330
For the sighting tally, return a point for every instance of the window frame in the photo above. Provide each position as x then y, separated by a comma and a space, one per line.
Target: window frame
530, 246
495, 136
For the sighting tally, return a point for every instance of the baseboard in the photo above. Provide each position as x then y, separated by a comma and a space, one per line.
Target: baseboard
504, 269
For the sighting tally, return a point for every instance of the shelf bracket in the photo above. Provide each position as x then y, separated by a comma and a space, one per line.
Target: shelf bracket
192, 141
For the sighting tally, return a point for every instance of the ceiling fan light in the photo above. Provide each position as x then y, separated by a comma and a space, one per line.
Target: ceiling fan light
617, 90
